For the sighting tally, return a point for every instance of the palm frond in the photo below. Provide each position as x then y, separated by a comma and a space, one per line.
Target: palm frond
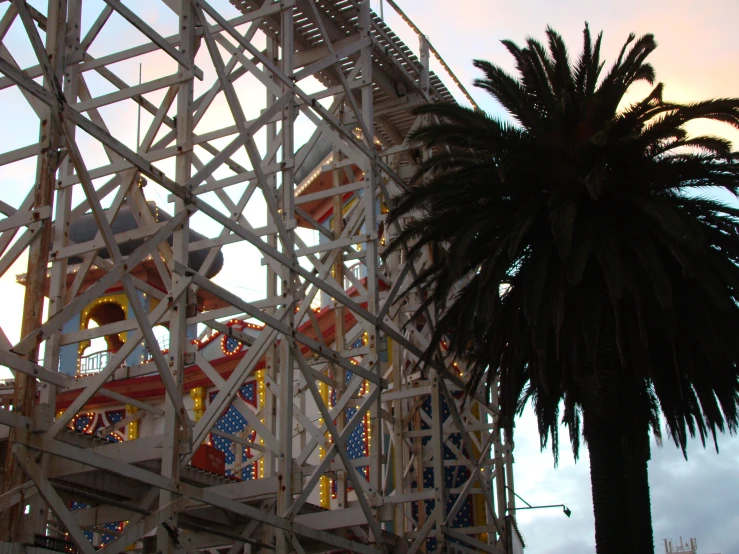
581, 237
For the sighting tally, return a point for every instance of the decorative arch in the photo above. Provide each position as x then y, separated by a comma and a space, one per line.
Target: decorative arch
105, 310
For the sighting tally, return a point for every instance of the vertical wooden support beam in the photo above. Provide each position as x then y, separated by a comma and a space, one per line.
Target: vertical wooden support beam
400, 450
479, 506
511, 507
338, 372
371, 207
269, 407
425, 69
418, 468
173, 430
287, 361
267, 402
500, 473
396, 358
25, 387
58, 272
63, 205
437, 435
437, 447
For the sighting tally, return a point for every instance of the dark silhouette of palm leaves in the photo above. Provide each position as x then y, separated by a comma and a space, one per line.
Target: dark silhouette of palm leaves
583, 231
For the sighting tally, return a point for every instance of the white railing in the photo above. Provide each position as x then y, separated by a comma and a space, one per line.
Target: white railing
96, 362
356, 271
163, 342
93, 363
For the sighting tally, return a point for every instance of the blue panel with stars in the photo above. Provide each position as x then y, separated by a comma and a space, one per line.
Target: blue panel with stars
454, 477
233, 422
79, 506
356, 446
231, 344
83, 422
113, 416
248, 393
105, 538
332, 394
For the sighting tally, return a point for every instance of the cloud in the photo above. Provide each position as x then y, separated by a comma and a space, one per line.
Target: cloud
693, 498
697, 498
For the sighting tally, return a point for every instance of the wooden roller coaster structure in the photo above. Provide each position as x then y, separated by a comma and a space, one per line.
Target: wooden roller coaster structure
292, 418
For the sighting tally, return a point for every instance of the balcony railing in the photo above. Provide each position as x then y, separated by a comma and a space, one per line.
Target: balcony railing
56, 544
163, 347
94, 363
97, 361
356, 271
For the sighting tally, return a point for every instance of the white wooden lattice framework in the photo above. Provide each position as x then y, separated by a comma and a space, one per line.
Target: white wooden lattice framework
330, 66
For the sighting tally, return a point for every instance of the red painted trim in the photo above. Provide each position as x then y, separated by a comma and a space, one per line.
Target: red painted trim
151, 387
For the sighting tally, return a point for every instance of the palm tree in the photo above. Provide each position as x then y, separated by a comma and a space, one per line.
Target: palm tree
580, 256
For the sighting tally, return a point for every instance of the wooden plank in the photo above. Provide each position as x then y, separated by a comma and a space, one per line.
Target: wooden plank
19, 219
19, 154
77, 249
13, 419
17, 363
130, 92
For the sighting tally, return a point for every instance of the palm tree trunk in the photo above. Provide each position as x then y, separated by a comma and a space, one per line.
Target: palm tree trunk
608, 482
616, 429
636, 459
634, 405
603, 427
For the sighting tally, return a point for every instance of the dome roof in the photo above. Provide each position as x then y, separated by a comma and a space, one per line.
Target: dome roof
85, 229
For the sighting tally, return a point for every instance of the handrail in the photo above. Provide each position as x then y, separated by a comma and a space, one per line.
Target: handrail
433, 50
93, 363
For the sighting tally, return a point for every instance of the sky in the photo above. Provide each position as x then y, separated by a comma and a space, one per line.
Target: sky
696, 59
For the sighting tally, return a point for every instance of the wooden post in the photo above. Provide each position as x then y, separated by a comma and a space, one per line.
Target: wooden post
178, 341
25, 387
287, 362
